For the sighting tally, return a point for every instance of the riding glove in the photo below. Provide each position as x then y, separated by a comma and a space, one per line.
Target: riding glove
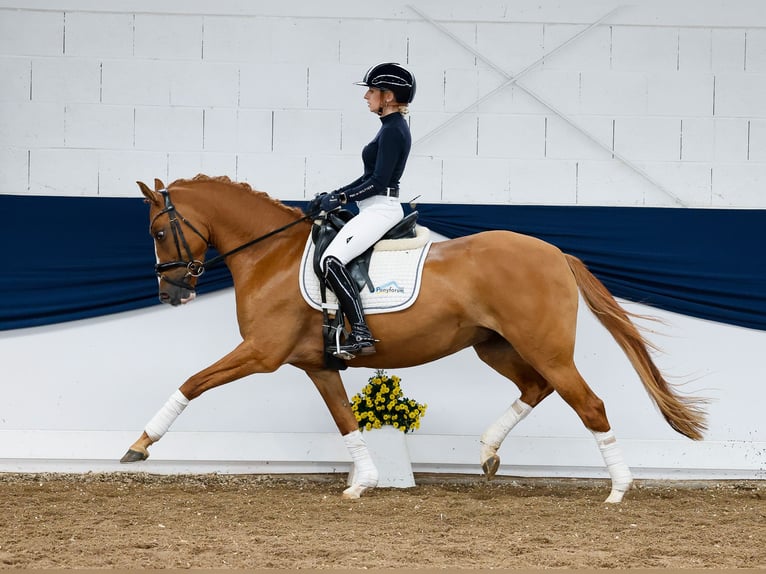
314, 206
331, 201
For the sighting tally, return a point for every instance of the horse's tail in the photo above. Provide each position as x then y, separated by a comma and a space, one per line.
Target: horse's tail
684, 414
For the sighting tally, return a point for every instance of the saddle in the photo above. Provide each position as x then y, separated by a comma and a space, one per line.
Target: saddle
323, 232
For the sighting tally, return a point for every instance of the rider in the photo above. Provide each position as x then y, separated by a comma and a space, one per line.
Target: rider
390, 87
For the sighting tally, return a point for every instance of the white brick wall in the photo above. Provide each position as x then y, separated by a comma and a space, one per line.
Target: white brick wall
94, 97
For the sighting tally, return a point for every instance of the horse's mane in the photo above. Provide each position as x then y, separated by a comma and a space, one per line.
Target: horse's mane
241, 185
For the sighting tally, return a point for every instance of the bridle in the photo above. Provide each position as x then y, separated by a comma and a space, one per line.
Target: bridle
195, 267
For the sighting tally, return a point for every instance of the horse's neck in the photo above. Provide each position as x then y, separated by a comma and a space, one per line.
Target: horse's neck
237, 216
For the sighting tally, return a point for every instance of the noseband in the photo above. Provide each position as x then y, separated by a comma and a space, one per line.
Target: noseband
195, 267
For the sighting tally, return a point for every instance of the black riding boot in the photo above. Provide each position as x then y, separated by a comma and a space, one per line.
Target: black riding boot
360, 341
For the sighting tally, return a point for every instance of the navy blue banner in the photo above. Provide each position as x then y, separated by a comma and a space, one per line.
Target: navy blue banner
71, 258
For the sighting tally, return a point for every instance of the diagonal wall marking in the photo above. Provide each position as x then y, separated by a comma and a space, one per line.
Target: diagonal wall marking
511, 79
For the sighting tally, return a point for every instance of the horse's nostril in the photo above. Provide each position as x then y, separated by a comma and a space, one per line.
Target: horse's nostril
164, 297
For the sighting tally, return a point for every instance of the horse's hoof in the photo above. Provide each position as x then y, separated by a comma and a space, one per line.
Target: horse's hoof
355, 491
615, 497
490, 466
134, 456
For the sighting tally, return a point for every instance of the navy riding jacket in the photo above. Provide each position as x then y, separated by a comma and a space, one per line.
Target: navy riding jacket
384, 159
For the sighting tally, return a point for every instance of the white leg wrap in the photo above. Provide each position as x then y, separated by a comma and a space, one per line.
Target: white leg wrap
494, 436
365, 475
161, 422
618, 470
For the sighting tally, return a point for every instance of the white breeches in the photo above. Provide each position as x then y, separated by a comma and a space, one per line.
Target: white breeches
377, 214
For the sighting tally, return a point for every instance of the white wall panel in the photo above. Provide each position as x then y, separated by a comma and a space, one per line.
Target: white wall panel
331, 172
99, 35
739, 184
755, 55
423, 177
168, 37
640, 48
31, 124
14, 176
237, 39
695, 49
118, 171
740, 95
563, 141
609, 183
30, 33
96, 126
282, 176
680, 94
465, 180
543, 182
512, 136
204, 84
243, 130
185, 165
330, 87
690, 182
364, 43
459, 139
430, 47
430, 87
301, 131
136, 82
648, 138
460, 88
17, 78
728, 53
509, 45
559, 88
592, 51
63, 172
359, 126
168, 129
72, 80
273, 86
614, 92
301, 40
757, 143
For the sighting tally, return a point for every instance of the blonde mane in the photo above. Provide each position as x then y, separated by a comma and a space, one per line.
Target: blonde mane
240, 185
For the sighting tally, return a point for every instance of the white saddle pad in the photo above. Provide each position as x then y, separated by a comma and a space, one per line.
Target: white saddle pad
395, 270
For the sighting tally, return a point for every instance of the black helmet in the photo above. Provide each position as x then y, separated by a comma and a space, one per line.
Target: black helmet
393, 77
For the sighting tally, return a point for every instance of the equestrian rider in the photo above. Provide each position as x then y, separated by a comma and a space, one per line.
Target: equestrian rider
390, 87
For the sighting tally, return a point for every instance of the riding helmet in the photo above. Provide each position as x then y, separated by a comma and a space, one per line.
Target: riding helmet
393, 77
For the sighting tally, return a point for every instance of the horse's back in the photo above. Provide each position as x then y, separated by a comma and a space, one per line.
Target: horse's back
502, 274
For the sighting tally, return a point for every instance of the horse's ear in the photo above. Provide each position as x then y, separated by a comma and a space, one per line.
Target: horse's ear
151, 196
158, 185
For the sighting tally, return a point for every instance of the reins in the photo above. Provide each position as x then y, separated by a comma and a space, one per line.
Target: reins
195, 267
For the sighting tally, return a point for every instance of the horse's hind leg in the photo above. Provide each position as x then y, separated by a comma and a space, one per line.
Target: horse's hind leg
568, 382
502, 357
534, 386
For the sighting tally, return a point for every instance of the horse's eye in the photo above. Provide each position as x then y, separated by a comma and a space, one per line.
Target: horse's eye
160, 235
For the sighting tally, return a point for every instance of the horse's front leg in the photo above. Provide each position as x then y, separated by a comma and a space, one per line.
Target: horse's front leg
365, 475
237, 364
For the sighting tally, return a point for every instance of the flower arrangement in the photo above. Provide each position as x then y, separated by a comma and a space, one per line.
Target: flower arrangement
381, 402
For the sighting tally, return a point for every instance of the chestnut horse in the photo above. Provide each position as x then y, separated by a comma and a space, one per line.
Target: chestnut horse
511, 297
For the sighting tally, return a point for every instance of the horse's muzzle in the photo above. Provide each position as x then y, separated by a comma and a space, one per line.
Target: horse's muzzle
177, 296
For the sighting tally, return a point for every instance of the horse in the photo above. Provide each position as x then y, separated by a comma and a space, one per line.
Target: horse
511, 297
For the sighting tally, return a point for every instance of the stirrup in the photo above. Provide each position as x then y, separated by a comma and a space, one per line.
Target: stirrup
353, 347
